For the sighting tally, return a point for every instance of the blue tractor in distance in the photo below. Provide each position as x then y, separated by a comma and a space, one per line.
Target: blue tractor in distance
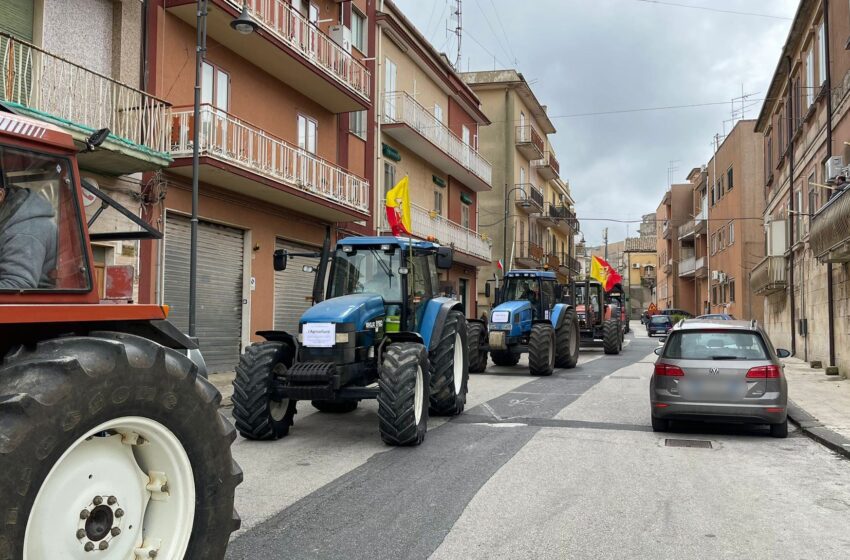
529, 317
378, 331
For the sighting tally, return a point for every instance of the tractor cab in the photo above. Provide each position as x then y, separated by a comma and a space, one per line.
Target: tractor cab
598, 324
529, 294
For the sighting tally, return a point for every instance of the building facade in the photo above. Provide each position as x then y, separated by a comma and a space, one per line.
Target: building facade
672, 290
641, 263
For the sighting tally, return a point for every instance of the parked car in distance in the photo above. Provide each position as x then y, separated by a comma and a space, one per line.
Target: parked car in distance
717, 317
682, 312
719, 372
659, 324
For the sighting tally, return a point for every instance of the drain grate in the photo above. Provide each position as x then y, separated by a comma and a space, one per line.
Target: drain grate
698, 443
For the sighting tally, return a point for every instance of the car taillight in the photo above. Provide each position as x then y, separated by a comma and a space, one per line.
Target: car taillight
764, 372
669, 371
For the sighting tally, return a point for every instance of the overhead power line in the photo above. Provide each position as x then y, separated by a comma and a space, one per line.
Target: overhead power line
718, 10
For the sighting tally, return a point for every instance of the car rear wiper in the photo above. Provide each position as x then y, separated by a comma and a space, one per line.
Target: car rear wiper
724, 357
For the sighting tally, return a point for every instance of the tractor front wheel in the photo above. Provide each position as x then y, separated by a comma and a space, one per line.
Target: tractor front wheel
541, 349
611, 337
450, 368
114, 444
477, 335
335, 407
403, 396
567, 341
258, 416
504, 357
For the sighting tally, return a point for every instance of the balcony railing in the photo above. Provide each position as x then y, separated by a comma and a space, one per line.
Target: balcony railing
769, 276
528, 251
687, 229
400, 107
224, 137
529, 142
72, 94
830, 230
561, 216
547, 167
687, 266
553, 261
700, 269
529, 197
666, 229
573, 264
287, 24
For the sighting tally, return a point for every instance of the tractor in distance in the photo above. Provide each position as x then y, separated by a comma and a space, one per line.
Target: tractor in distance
597, 324
111, 440
528, 317
617, 296
379, 331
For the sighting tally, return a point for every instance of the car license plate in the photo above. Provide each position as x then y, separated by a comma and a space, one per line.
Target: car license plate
715, 388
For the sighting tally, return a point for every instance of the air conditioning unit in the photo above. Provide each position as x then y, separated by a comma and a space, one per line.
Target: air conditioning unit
721, 277
834, 167
715, 275
777, 238
341, 35
636, 265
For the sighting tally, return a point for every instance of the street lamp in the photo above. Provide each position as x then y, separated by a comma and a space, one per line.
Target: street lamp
505, 247
244, 24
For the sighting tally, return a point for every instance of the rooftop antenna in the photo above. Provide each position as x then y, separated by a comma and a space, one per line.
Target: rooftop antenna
672, 169
458, 31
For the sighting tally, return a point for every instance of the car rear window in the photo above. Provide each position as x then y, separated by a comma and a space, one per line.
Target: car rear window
715, 345
660, 319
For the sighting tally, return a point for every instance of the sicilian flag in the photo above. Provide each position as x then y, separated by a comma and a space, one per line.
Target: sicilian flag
501, 265
605, 273
398, 208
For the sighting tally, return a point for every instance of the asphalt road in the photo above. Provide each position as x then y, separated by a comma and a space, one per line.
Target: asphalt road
559, 467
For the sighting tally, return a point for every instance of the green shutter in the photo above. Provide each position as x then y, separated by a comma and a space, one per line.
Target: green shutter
16, 18
439, 181
390, 152
465, 198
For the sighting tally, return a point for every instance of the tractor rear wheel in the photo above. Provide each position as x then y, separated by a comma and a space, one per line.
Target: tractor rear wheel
336, 407
450, 368
477, 335
504, 357
257, 415
611, 337
567, 341
109, 439
541, 349
403, 396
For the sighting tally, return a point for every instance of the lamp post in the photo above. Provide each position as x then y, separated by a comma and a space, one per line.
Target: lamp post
244, 24
505, 247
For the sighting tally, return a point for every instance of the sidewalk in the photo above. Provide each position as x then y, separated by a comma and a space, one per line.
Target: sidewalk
224, 383
819, 404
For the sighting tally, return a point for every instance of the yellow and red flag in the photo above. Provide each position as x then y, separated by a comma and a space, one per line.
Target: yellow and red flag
398, 208
605, 273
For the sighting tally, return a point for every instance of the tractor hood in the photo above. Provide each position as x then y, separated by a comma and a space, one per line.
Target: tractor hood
514, 307
356, 309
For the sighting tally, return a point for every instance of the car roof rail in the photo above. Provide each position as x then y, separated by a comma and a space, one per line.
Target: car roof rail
753, 324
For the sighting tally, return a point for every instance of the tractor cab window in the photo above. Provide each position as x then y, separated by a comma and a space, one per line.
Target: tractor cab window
41, 236
548, 289
361, 270
422, 285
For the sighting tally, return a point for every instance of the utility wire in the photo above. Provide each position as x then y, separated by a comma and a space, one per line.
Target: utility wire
718, 10
492, 30
477, 42
514, 57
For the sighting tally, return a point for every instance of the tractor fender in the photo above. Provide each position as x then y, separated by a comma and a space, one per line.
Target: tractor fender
403, 336
434, 317
479, 321
558, 314
283, 337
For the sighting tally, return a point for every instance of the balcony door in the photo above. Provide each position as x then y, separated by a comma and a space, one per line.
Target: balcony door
215, 102
390, 76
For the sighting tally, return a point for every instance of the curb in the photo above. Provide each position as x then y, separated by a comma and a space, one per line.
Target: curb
810, 426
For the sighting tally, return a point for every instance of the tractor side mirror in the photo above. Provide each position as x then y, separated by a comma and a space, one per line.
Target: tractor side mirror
487, 290
308, 269
445, 257
280, 260
97, 138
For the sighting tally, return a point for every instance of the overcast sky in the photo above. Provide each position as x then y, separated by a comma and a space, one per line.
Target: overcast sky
587, 56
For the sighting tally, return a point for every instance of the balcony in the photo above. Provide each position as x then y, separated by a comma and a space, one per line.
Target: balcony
701, 267
666, 229
573, 264
529, 143
415, 127
687, 267
529, 198
528, 254
829, 235
561, 217
238, 156
471, 247
36, 83
547, 168
686, 230
769, 276
553, 261
289, 47
701, 219
667, 267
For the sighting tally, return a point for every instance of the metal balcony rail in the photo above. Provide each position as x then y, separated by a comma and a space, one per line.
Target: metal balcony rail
528, 250
534, 194
687, 265
574, 264
548, 160
527, 135
830, 227
428, 223
768, 276
687, 229
287, 24
224, 137
50, 84
400, 107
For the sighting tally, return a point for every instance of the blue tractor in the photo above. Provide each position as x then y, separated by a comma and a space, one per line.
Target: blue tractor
378, 330
529, 317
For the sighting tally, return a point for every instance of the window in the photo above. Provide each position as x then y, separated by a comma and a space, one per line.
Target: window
357, 124
438, 202
215, 87
389, 177
521, 119
731, 233
797, 103
313, 14
465, 136
780, 129
464, 215
438, 112
714, 295
390, 74
358, 30
822, 53
768, 158
799, 223
307, 134
810, 77
729, 180
731, 291
707, 345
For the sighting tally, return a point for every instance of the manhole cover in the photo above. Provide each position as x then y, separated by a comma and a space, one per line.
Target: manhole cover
699, 443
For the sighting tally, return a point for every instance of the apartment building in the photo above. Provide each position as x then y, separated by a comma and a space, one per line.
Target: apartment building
559, 223
286, 151
735, 239
641, 263
78, 64
429, 123
805, 128
523, 166
693, 242
675, 209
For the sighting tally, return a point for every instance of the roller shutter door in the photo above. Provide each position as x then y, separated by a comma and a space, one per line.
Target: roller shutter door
219, 298
292, 288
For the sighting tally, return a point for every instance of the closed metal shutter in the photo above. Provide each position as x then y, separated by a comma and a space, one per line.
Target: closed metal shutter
293, 288
219, 298
16, 17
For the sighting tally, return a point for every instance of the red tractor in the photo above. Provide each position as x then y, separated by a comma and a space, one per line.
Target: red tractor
111, 441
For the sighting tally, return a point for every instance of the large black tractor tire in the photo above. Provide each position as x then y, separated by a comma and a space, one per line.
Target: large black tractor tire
257, 416
567, 341
541, 349
477, 337
335, 407
504, 357
450, 368
611, 337
402, 396
57, 399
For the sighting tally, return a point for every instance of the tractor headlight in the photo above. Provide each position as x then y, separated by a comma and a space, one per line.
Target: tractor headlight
342, 338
